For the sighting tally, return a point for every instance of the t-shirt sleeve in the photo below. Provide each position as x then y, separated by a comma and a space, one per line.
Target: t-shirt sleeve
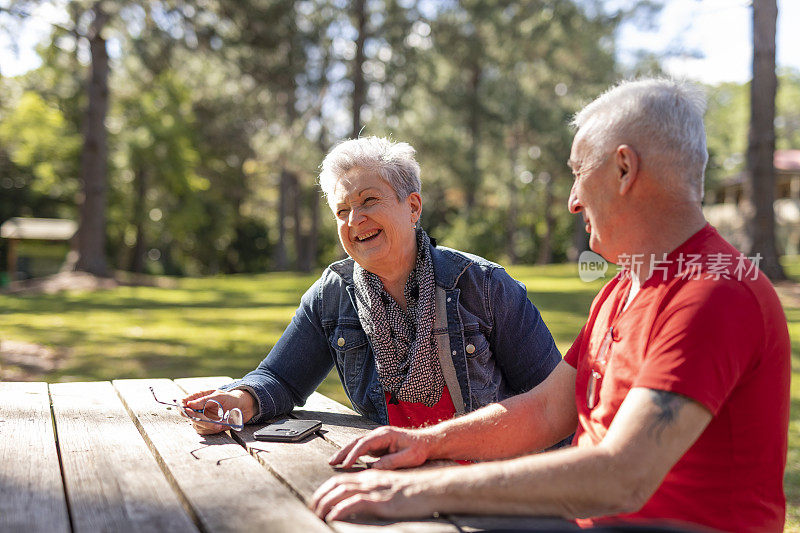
571, 357
703, 341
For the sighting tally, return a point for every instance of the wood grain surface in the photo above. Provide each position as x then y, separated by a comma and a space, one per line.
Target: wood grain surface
104, 456
223, 485
113, 481
303, 466
31, 492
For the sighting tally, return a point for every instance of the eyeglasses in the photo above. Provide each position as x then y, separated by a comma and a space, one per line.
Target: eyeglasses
212, 412
593, 387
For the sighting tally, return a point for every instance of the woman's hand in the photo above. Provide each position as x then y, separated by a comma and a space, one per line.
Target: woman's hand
396, 447
227, 400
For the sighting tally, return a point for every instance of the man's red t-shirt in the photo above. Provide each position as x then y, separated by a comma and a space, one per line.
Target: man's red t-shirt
709, 326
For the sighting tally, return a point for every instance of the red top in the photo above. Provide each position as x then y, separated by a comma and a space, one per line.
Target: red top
720, 339
414, 415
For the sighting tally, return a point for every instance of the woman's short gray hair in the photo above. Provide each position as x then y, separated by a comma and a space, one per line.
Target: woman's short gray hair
393, 161
661, 118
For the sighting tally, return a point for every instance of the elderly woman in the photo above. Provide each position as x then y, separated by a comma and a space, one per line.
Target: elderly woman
418, 333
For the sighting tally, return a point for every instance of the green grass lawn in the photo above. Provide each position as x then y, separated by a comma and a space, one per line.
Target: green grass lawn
225, 325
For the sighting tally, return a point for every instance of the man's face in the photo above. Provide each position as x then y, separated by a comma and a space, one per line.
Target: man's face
593, 194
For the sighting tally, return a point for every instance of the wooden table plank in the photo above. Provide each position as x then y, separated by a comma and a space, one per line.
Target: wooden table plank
342, 425
31, 492
190, 385
304, 465
227, 489
113, 482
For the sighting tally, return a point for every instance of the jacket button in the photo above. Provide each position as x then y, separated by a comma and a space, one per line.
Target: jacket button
340, 342
470, 348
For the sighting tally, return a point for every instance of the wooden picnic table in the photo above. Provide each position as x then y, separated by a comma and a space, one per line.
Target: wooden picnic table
104, 456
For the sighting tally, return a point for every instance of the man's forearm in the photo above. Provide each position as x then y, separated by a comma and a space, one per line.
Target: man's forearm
568, 483
650, 433
519, 425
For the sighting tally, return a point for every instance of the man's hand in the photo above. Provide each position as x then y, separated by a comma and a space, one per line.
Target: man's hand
396, 447
227, 399
381, 494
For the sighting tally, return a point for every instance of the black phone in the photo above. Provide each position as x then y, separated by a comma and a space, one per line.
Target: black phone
288, 430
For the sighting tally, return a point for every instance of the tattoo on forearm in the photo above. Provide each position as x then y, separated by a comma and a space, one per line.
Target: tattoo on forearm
669, 405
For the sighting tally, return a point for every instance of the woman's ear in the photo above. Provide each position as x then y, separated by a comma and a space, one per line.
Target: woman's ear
627, 161
415, 203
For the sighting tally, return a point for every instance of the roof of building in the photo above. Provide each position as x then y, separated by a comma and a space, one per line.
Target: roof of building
784, 161
787, 159
47, 229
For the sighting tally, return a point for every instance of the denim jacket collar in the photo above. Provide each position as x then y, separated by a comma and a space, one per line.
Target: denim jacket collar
447, 267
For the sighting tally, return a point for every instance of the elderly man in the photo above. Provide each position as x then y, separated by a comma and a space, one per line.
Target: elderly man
678, 383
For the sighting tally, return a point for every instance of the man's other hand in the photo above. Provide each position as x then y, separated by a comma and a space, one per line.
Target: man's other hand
381, 494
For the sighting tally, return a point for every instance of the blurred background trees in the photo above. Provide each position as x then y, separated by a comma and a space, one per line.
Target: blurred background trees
218, 114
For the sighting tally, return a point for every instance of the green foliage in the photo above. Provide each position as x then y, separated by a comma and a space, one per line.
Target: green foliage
727, 119
787, 116
222, 111
159, 194
727, 123
37, 136
496, 88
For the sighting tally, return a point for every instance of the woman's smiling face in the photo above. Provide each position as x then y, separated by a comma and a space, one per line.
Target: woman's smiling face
375, 228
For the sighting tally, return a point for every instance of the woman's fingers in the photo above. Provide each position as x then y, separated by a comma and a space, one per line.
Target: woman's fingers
194, 406
207, 429
197, 399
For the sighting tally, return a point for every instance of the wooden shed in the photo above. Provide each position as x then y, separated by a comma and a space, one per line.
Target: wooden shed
18, 229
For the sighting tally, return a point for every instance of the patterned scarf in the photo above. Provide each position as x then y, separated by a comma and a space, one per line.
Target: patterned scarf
403, 341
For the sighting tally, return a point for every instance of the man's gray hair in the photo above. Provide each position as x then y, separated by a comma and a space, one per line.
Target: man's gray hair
393, 161
662, 119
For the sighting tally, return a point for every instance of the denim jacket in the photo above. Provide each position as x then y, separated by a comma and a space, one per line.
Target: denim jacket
500, 346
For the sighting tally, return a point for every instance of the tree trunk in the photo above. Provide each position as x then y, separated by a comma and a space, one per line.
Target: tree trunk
313, 232
513, 204
139, 220
307, 245
359, 84
314, 197
546, 245
475, 135
92, 232
281, 257
760, 184
297, 216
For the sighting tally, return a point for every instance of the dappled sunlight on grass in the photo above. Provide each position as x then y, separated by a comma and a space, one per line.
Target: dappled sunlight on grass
206, 326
